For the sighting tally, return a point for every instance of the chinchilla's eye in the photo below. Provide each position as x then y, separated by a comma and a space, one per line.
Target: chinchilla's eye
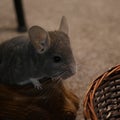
57, 59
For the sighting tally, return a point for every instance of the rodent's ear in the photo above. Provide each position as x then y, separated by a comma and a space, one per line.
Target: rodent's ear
64, 25
39, 38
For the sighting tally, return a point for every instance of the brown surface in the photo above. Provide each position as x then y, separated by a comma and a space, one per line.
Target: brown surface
94, 31
28, 103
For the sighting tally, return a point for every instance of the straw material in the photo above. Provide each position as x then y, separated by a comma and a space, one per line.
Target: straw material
102, 101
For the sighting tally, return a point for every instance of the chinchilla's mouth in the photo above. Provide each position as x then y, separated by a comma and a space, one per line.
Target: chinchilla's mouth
43, 80
65, 75
61, 76
57, 76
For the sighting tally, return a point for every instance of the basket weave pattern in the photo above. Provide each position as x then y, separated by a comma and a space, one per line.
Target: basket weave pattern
102, 101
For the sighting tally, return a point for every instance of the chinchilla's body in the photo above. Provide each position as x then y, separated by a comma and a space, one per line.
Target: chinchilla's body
18, 61
43, 54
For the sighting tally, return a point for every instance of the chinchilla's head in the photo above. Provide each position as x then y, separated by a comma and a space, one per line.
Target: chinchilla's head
55, 51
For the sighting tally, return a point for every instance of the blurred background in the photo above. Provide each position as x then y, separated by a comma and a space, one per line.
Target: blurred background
94, 32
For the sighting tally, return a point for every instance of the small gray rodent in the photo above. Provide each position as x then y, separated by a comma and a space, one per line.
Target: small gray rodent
43, 54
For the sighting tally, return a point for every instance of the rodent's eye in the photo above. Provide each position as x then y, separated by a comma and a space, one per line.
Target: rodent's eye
57, 59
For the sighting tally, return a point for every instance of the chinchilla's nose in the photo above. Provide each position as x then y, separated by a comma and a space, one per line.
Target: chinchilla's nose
73, 69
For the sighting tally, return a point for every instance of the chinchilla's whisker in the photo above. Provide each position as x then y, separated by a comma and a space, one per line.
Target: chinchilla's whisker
57, 75
56, 81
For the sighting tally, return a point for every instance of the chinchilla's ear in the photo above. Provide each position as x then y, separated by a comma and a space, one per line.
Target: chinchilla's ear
64, 25
39, 38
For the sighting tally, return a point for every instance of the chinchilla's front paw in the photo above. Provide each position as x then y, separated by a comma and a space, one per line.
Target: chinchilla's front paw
36, 83
38, 86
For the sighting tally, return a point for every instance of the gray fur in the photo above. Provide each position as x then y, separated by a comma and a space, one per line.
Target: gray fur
22, 62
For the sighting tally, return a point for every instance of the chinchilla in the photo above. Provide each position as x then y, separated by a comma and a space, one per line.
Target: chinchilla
41, 54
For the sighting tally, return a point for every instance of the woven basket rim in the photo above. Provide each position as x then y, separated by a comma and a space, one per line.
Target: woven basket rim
88, 106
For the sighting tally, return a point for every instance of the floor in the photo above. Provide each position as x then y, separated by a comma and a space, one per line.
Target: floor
94, 32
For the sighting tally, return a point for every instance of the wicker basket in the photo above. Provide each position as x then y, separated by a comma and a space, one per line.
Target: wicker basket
102, 101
